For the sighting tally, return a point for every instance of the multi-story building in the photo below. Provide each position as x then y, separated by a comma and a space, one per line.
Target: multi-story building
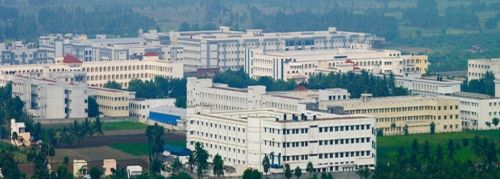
299, 65
99, 73
393, 114
427, 86
220, 97
112, 102
51, 98
478, 67
476, 110
226, 49
243, 138
497, 88
19, 53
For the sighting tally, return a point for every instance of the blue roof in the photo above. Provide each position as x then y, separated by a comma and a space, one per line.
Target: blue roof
178, 151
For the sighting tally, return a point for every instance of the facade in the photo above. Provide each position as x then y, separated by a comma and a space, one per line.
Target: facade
478, 67
140, 107
394, 113
497, 88
108, 165
50, 97
99, 73
80, 168
427, 86
299, 65
476, 110
242, 138
112, 102
23, 136
220, 97
226, 49
19, 53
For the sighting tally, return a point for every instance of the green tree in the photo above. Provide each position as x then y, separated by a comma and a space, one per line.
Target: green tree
191, 162
113, 85
218, 166
364, 172
250, 173
310, 168
97, 126
176, 165
405, 130
201, 157
432, 128
451, 149
266, 164
287, 172
9, 165
495, 121
154, 135
95, 173
297, 172
118, 173
92, 107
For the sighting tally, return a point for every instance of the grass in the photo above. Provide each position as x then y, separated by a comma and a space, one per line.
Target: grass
141, 149
387, 146
107, 126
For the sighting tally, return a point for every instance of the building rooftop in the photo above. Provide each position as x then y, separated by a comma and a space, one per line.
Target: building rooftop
71, 59
473, 95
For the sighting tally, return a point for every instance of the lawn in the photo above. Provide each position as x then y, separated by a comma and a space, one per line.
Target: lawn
141, 149
387, 146
123, 125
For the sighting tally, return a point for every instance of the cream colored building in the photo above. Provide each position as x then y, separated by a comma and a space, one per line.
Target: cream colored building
394, 113
427, 86
299, 65
99, 73
112, 102
23, 136
477, 109
478, 67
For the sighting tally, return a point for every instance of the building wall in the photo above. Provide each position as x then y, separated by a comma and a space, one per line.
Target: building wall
416, 112
243, 139
427, 87
475, 112
112, 103
478, 67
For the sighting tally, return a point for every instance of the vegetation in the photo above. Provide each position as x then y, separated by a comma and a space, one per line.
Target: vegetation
239, 79
432, 156
266, 164
75, 132
218, 166
200, 158
93, 107
485, 85
123, 125
135, 149
95, 173
357, 84
250, 173
156, 141
113, 85
160, 87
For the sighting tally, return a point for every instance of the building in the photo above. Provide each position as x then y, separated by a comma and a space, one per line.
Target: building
497, 88
19, 53
134, 170
299, 65
220, 97
331, 142
112, 102
394, 113
108, 165
140, 107
160, 111
427, 86
99, 73
225, 48
80, 168
56, 96
23, 136
476, 110
478, 67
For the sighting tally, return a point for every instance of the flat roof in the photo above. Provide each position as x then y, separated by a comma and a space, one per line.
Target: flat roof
473, 95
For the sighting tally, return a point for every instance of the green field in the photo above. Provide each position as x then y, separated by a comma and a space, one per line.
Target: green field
141, 149
387, 146
123, 125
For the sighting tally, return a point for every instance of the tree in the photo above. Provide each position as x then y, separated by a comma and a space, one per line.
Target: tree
310, 168
95, 173
113, 85
92, 106
201, 157
287, 172
405, 129
488, 123
297, 172
176, 165
9, 164
155, 139
118, 173
218, 166
266, 164
451, 148
191, 162
364, 172
181, 175
495, 121
97, 126
250, 173
433, 128
426, 150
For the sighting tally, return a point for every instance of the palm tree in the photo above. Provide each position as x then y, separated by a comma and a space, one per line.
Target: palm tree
97, 127
218, 166
433, 128
287, 172
298, 172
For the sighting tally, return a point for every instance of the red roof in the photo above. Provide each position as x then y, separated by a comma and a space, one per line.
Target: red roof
348, 61
300, 88
150, 54
71, 59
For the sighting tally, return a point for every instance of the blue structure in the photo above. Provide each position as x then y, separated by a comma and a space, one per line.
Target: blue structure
164, 118
177, 151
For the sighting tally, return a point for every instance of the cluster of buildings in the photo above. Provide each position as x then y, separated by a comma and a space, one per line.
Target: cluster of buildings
243, 125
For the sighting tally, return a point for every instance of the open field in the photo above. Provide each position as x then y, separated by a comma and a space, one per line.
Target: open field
387, 146
141, 149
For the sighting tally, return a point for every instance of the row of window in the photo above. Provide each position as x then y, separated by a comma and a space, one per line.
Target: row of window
344, 128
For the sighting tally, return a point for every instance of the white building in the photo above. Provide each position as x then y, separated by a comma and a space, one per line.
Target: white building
134, 170
477, 109
161, 111
23, 136
242, 138
225, 48
478, 67
299, 65
427, 86
220, 97
51, 97
99, 73
497, 88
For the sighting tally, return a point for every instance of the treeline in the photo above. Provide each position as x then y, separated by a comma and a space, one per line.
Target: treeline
239, 79
426, 161
116, 20
484, 85
160, 87
357, 83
